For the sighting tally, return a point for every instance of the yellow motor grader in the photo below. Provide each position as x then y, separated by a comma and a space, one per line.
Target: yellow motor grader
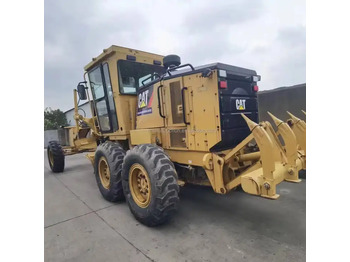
157, 124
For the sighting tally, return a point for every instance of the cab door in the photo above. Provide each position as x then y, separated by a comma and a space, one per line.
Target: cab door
102, 93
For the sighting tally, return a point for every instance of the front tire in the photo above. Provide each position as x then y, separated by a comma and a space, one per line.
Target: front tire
150, 184
55, 156
108, 168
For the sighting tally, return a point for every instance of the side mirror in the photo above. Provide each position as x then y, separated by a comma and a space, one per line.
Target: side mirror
81, 92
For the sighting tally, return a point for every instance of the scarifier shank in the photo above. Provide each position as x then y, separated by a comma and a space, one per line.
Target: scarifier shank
294, 157
299, 128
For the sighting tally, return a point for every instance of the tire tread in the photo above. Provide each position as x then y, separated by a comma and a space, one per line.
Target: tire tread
167, 189
58, 156
114, 154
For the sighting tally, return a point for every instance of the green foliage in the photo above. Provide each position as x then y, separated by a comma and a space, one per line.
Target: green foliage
53, 119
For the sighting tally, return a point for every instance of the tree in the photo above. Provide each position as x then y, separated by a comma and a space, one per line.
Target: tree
53, 119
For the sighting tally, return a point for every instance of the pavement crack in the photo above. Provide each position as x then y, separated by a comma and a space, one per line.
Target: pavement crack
124, 237
74, 194
104, 208
68, 219
93, 211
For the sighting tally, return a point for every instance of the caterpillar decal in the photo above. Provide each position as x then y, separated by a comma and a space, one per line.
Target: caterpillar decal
240, 104
144, 105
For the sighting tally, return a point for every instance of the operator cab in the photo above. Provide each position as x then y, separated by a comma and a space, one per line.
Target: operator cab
113, 77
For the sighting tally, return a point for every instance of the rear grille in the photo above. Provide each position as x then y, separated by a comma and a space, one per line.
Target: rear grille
237, 98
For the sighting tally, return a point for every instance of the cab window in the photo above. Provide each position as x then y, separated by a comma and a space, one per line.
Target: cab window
131, 74
96, 83
102, 92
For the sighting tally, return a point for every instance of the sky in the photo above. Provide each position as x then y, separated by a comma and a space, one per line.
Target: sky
263, 35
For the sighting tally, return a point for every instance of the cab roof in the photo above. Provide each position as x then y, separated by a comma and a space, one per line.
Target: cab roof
121, 50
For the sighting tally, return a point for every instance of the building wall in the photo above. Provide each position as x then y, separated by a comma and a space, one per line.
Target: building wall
279, 100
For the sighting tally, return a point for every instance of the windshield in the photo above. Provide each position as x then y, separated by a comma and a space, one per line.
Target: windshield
131, 75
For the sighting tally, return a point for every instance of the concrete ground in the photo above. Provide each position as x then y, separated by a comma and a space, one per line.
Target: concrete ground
81, 226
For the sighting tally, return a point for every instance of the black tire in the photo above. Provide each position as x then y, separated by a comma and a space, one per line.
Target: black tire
55, 156
114, 154
302, 174
171, 60
164, 197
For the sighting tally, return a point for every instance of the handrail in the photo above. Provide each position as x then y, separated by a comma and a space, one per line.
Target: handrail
159, 104
183, 106
177, 67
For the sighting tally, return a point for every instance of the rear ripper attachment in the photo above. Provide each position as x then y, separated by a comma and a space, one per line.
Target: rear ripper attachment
293, 133
261, 169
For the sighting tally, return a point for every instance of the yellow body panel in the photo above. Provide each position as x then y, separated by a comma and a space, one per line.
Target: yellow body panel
145, 136
201, 111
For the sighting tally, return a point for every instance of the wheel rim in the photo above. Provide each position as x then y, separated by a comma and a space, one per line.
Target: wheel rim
139, 184
50, 157
104, 173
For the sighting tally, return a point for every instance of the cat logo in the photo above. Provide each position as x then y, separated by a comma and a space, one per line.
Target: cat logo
240, 104
143, 99
144, 104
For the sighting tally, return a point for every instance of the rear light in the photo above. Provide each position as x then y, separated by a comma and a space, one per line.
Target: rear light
256, 78
222, 73
256, 88
223, 84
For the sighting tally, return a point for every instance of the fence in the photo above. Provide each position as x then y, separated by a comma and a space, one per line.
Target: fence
280, 100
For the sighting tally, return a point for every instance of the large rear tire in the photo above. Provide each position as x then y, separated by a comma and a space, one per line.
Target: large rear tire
150, 184
55, 156
108, 168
